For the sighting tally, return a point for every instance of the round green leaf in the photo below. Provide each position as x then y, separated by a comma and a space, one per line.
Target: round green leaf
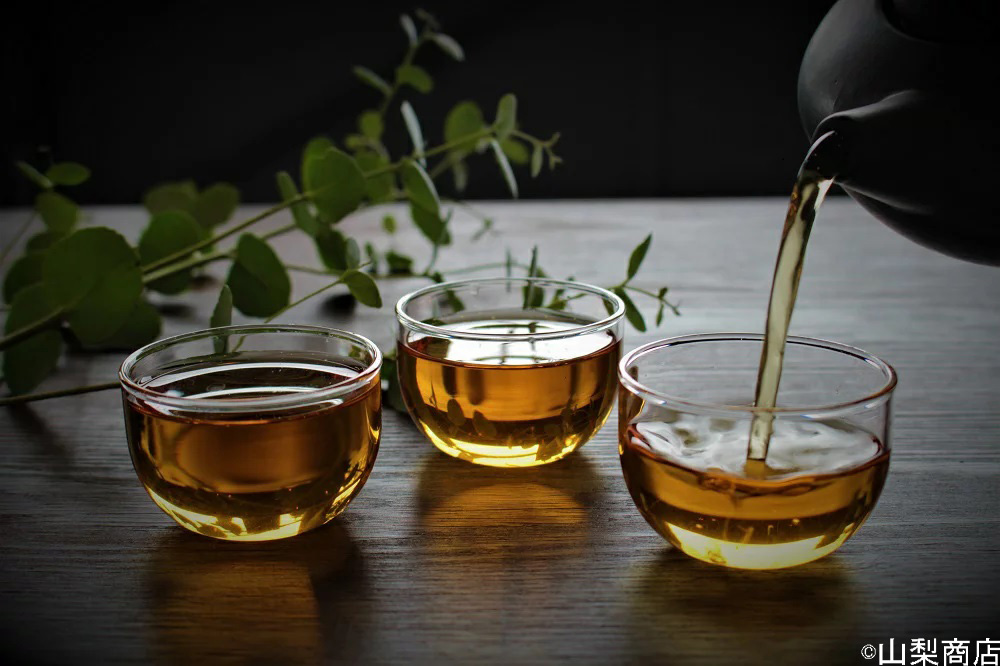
335, 184
515, 151
506, 116
332, 248
431, 225
169, 232
42, 241
58, 212
171, 196
419, 187
67, 173
258, 279
75, 265
370, 124
303, 217
464, 119
363, 288
216, 204
416, 77
28, 362
379, 188
316, 147
24, 272
142, 327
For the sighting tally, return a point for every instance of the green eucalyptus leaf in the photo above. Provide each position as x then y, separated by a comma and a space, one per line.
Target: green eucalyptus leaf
222, 314
419, 187
142, 326
415, 77
30, 361
399, 264
94, 275
335, 184
356, 141
515, 151
373, 257
24, 272
169, 232
659, 314
371, 78
332, 248
389, 224
316, 147
448, 44
393, 396
464, 119
258, 279
379, 188
301, 214
506, 118
216, 204
431, 225
409, 28
536, 161
631, 311
171, 196
34, 175
58, 212
505, 169
370, 124
42, 241
638, 254
363, 288
352, 253
67, 173
413, 129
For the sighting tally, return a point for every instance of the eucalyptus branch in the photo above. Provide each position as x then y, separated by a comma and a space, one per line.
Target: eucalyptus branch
191, 262
49, 321
181, 254
411, 53
77, 390
312, 294
13, 241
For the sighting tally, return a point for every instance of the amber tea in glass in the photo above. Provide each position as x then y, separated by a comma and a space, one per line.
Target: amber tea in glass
685, 414
252, 433
509, 372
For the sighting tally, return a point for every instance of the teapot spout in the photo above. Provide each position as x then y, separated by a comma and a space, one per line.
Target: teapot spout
919, 162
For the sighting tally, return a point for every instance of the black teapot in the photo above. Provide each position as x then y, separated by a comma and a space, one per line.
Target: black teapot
909, 87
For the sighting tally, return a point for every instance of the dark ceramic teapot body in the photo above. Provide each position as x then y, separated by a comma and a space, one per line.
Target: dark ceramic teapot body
909, 86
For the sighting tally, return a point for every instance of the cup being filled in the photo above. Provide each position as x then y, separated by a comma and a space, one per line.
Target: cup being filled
509, 372
685, 415
253, 433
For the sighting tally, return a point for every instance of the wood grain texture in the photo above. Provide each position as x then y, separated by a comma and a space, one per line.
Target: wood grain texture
440, 561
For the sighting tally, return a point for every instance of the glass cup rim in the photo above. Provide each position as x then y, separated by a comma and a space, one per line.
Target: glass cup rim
297, 399
446, 332
665, 399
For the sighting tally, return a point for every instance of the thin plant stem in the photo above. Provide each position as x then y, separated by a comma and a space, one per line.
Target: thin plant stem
17, 237
411, 53
280, 231
181, 254
31, 329
190, 263
644, 292
33, 397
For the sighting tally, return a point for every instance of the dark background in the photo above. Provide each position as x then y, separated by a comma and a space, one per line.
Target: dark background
652, 99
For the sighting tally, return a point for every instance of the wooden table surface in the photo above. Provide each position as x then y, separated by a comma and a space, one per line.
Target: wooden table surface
441, 561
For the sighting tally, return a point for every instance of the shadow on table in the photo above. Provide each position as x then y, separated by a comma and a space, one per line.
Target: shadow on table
695, 612
294, 601
498, 543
